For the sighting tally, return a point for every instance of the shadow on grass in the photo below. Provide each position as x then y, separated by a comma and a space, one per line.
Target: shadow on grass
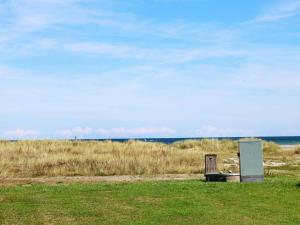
298, 185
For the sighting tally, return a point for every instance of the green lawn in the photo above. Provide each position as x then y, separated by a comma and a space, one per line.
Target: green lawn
276, 201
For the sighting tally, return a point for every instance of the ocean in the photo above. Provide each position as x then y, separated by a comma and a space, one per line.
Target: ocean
281, 140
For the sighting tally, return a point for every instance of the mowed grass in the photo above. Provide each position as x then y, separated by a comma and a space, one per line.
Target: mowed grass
276, 201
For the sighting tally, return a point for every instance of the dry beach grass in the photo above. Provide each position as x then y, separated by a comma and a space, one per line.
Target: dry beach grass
106, 158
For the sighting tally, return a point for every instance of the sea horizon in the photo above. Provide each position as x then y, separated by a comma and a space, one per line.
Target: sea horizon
280, 140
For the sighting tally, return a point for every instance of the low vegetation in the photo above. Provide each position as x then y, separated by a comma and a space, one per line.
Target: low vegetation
101, 158
297, 150
274, 202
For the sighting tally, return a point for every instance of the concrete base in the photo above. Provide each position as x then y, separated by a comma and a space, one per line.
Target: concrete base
232, 177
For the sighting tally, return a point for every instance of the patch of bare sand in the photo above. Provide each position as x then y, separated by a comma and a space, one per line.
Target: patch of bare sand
97, 179
288, 147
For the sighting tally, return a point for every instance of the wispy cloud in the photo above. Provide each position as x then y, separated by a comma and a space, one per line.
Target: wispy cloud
25, 19
101, 64
163, 55
282, 10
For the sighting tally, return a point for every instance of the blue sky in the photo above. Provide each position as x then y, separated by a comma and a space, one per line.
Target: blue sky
149, 68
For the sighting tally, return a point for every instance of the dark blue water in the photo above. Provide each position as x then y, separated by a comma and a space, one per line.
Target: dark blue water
281, 140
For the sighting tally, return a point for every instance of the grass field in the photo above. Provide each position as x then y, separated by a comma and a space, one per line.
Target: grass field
183, 202
76, 158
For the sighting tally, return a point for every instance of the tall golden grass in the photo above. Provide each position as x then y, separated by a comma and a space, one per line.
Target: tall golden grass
101, 158
297, 150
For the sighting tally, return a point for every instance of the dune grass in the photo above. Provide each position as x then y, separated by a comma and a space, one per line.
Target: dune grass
274, 202
101, 158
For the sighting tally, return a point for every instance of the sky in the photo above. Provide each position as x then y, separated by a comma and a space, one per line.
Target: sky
149, 68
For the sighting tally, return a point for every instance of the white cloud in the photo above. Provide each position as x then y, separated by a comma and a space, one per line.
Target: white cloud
116, 132
213, 131
119, 132
77, 131
21, 134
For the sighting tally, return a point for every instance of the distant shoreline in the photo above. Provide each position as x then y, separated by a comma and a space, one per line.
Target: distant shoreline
283, 141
